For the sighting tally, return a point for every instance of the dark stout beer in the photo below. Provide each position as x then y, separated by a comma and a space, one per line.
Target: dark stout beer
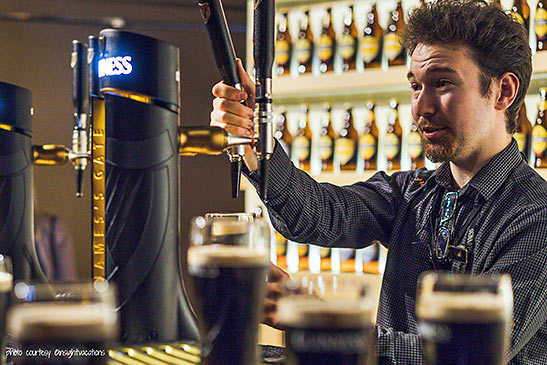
229, 283
326, 332
61, 333
6, 280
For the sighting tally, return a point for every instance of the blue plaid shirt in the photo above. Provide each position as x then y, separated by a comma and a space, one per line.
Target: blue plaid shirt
509, 236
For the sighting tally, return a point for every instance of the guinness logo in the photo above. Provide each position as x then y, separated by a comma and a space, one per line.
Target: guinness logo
205, 11
257, 3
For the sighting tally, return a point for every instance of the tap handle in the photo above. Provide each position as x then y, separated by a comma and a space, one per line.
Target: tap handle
264, 46
93, 54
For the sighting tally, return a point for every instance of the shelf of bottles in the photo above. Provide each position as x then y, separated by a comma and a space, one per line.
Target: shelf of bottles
346, 54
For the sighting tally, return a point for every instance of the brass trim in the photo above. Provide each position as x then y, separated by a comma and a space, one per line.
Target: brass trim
98, 190
50, 154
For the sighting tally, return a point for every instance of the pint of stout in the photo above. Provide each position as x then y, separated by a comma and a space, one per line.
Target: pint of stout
464, 319
6, 280
325, 329
67, 329
228, 262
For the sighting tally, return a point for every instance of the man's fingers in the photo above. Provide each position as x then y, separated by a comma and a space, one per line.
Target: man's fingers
233, 107
247, 83
221, 90
275, 290
232, 129
277, 274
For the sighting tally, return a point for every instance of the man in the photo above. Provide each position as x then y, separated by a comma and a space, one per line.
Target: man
469, 71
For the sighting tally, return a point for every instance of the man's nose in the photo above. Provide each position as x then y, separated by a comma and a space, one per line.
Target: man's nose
424, 104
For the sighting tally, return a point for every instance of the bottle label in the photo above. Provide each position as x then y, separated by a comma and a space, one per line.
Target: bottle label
517, 17
367, 146
325, 48
539, 140
282, 54
347, 46
521, 140
325, 147
391, 146
303, 50
303, 250
324, 252
344, 150
540, 23
414, 145
370, 47
280, 244
301, 147
392, 46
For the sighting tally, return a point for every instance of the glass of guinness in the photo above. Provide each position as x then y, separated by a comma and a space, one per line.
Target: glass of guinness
464, 319
72, 323
327, 320
6, 280
228, 260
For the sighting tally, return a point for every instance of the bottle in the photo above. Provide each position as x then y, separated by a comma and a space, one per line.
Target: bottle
325, 254
281, 250
345, 146
283, 46
523, 133
415, 148
348, 41
393, 48
371, 43
304, 45
282, 133
326, 140
303, 260
539, 132
540, 25
368, 142
394, 133
521, 12
326, 44
302, 141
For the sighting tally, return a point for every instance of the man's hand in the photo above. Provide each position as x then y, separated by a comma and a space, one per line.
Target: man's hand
276, 289
233, 110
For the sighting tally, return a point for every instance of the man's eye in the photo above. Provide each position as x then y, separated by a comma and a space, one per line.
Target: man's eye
414, 87
443, 83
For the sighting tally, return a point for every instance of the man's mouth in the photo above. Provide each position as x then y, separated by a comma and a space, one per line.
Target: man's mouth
430, 132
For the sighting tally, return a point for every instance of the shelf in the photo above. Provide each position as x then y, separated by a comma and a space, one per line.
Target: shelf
348, 178
377, 83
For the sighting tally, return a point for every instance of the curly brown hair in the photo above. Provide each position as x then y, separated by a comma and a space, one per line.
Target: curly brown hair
496, 41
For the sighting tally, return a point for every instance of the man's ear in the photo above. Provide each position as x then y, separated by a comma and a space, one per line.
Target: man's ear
508, 87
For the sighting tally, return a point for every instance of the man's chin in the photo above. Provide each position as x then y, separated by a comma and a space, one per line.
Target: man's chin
438, 153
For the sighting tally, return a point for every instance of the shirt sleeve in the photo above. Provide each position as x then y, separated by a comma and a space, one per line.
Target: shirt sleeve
524, 257
303, 210
397, 347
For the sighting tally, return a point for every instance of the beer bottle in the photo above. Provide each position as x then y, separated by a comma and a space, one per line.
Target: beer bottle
368, 142
393, 48
326, 140
539, 133
325, 257
394, 132
345, 146
348, 41
326, 44
415, 148
521, 13
281, 250
283, 46
523, 133
302, 141
540, 25
304, 45
282, 133
371, 43
303, 252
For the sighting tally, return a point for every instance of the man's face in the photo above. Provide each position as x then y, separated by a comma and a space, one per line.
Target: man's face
453, 118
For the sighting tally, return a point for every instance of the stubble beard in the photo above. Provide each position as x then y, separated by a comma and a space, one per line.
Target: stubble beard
440, 150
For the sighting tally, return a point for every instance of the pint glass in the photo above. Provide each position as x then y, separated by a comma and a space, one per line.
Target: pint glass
228, 260
62, 323
6, 279
327, 320
464, 319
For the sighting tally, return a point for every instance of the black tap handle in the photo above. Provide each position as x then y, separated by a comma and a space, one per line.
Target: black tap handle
214, 18
78, 63
93, 53
264, 46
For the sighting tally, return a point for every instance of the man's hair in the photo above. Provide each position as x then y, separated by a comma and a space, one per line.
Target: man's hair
496, 41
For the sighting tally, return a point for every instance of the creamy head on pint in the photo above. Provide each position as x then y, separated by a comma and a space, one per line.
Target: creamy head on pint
62, 322
6, 280
226, 256
310, 311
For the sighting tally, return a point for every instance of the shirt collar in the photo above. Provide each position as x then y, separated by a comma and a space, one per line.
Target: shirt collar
490, 176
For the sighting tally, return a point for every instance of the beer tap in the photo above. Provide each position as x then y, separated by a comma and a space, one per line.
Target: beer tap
264, 23
214, 18
80, 99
